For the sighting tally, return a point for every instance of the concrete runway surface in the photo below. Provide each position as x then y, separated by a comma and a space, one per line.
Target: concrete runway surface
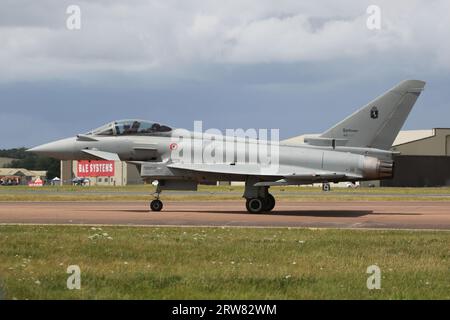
329, 214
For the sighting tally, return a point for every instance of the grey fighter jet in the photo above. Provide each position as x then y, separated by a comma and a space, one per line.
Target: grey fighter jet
355, 149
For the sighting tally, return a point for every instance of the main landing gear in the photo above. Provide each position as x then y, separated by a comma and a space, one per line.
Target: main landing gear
258, 199
258, 205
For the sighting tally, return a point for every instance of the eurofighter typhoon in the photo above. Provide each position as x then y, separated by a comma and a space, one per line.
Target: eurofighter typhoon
355, 149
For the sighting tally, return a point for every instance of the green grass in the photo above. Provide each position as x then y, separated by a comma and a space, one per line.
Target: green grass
214, 193
222, 263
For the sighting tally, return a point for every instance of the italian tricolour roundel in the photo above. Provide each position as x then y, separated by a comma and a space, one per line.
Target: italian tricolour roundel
173, 146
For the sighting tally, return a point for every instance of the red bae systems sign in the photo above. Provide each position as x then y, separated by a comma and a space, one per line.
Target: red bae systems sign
94, 168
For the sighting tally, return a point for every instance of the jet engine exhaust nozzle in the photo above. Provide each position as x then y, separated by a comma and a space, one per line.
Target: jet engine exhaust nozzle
386, 168
378, 169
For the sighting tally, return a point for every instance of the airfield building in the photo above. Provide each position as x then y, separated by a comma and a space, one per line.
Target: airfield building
20, 176
424, 159
433, 142
103, 173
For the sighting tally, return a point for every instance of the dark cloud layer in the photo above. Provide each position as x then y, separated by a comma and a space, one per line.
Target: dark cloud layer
295, 65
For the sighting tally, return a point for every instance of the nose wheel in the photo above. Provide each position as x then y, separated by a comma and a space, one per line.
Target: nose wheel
156, 205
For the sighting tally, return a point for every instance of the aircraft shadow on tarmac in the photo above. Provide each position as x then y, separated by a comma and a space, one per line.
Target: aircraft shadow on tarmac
299, 213
305, 213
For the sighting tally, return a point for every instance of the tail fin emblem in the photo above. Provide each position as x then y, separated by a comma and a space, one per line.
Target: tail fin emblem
374, 113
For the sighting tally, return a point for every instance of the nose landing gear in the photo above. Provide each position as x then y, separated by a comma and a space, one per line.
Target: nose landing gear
156, 204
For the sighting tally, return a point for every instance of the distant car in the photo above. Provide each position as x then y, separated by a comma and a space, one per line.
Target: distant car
352, 185
80, 181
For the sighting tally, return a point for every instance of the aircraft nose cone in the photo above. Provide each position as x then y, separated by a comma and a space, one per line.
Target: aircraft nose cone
39, 149
61, 149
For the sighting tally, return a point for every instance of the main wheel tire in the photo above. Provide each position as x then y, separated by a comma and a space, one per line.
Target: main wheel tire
156, 205
326, 187
269, 203
255, 205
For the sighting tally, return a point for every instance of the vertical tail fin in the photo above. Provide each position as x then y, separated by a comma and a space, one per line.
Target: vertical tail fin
377, 124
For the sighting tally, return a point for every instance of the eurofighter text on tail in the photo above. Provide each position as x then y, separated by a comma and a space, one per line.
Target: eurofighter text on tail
355, 149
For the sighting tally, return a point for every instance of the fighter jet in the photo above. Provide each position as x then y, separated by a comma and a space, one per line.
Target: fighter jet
355, 149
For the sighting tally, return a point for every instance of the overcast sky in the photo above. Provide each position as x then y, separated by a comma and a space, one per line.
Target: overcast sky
299, 66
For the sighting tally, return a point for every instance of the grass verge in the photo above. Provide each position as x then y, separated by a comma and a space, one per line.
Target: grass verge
215, 193
221, 263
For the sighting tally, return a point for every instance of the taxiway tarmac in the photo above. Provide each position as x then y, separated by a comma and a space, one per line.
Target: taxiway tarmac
329, 214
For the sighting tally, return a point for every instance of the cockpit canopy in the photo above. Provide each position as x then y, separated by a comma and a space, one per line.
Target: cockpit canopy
131, 127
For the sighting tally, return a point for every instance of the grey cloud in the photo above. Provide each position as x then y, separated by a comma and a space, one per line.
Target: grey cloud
146, 35
295, 65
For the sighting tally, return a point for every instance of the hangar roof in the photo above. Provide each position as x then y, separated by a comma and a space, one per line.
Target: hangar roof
412, 135
25, 172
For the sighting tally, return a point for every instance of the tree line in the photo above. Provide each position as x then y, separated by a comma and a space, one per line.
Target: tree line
31, 161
